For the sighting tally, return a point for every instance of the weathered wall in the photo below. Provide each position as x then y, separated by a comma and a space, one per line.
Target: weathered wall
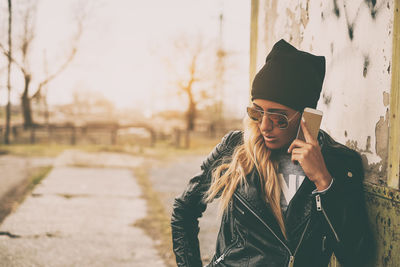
356, 39
360, 93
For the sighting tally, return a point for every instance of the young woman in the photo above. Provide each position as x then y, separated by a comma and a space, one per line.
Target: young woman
284, 202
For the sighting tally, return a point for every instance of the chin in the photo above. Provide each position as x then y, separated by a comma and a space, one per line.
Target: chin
273, 145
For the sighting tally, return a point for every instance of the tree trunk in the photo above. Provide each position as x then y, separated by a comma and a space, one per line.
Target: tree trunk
187, 139
8, 107
26, 104
191, 114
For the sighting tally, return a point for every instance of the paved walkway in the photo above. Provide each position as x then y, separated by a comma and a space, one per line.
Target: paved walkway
81, 216
170, 180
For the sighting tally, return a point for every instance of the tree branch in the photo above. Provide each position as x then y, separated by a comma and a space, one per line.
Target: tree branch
6, 53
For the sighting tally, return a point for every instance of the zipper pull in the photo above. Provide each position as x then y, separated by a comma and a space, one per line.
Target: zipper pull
318, 201
221, 258
291, 261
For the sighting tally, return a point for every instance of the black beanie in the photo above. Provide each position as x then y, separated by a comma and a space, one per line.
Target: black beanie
290, 77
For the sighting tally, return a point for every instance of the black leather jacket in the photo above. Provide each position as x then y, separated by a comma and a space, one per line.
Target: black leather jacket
316, 224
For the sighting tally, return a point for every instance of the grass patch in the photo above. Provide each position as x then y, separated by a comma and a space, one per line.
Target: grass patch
17, 195
53, 150
161, 150
157, 223
33, 150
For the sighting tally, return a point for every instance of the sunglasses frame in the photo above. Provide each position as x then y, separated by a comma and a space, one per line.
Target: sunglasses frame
270, 113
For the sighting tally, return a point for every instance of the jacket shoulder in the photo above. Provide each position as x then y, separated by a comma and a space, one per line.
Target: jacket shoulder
340, 154
224, 148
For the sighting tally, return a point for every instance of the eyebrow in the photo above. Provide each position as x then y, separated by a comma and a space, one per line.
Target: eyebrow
273, 109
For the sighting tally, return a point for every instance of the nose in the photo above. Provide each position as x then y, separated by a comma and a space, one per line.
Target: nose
266, 124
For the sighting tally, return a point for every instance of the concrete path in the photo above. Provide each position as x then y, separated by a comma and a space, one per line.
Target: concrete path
169, 180
81, 216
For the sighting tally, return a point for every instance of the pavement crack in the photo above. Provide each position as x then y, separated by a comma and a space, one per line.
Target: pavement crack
47, 234
10, 235
70, 196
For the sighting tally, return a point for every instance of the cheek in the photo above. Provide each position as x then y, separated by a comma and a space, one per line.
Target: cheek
290, 134
285, 137
293, 131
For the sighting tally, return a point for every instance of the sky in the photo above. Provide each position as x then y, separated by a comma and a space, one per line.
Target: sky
125, 43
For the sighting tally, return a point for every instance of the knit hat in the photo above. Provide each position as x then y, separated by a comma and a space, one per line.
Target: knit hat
290, 77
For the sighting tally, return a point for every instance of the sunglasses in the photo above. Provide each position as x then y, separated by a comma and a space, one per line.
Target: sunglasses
278, 120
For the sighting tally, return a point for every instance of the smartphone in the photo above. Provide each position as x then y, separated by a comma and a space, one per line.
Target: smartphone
313, 118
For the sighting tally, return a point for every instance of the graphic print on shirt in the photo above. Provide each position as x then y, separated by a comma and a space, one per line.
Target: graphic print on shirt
290, 185
290, 176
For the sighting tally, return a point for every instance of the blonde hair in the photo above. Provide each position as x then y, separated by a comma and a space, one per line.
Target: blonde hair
251, 154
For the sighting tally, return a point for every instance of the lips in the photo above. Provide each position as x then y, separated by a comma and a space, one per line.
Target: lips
270, 138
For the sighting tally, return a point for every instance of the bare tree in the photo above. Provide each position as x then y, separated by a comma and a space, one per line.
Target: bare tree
189, 66
28, 19
8, 107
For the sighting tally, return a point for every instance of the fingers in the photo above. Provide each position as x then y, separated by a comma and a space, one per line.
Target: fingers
299, 151
297, 157
296, 143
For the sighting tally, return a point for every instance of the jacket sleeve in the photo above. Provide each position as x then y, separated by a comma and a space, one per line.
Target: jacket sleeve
189, 206
343, 207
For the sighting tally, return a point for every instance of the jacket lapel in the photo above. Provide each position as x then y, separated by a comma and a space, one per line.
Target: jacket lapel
253, 196
299, 209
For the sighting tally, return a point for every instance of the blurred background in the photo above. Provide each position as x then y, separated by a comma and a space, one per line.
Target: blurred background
88, 69
107, 109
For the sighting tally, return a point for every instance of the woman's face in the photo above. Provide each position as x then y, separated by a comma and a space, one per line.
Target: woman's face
274, 137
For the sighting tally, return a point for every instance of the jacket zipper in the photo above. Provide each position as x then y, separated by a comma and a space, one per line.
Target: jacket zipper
320, 208
222, 257
323, 243
292, 256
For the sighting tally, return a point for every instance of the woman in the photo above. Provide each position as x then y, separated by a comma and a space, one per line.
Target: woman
285, 202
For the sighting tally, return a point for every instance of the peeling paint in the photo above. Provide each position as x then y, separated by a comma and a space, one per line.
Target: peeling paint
304, 15
293, 26
327, 98
376, 172
382, 136
368, 145
366, 64
386, 99
353, 144
336, 8
268, 28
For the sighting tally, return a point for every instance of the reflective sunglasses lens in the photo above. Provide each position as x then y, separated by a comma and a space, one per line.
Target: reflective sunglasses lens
279, 121
254, 114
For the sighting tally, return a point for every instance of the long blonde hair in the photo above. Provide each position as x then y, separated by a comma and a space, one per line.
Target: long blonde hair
251, 154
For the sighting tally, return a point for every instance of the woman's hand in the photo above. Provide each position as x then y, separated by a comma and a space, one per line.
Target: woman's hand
309, 155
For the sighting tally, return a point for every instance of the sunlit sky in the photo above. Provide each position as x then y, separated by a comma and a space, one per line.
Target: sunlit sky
124, 44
